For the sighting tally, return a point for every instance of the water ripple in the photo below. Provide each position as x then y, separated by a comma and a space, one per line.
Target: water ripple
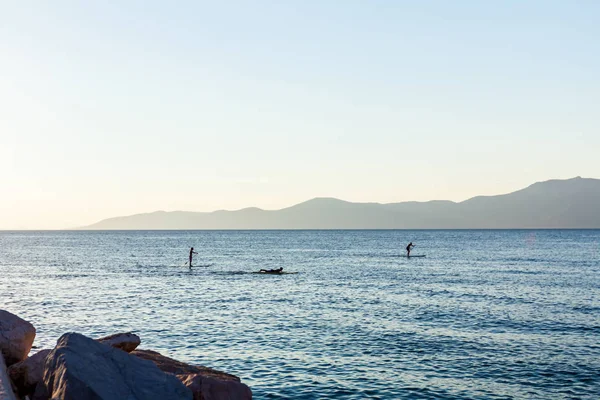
505, 318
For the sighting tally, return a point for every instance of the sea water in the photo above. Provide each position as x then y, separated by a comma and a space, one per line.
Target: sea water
485, 315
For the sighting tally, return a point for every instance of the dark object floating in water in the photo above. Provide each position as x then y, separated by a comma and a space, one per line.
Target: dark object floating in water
274, 273
417, 255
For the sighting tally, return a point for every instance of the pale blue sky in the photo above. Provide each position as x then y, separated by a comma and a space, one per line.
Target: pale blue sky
119, 107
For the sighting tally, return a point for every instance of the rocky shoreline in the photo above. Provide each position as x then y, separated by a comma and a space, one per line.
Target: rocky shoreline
81, 368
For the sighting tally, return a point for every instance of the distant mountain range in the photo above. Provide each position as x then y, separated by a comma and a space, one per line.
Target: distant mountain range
570, 203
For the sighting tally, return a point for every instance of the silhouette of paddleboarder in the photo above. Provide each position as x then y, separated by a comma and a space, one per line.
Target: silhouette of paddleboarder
408, 248
192, 252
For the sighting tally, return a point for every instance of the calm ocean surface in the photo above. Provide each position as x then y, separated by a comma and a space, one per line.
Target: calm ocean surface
486, 315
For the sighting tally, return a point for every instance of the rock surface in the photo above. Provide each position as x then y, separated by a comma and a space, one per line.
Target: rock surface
175, 367
209, 388
16, 337
6, 392
125, 341
205, 383
80, 368
28, 373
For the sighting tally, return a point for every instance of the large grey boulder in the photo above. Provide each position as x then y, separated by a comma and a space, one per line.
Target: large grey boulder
205, 383
28, 373
6, 392
125, 341
16, 337
80, 368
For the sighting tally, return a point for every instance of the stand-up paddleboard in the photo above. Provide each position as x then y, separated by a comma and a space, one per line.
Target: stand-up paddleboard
274, 273
411, 256
202, 265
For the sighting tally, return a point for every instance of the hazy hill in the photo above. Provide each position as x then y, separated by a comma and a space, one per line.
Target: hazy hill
571, 203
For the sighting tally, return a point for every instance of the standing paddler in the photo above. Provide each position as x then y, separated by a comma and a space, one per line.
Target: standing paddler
408, 248
192, 252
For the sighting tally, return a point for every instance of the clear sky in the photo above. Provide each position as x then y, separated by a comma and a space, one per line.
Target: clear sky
119, 107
